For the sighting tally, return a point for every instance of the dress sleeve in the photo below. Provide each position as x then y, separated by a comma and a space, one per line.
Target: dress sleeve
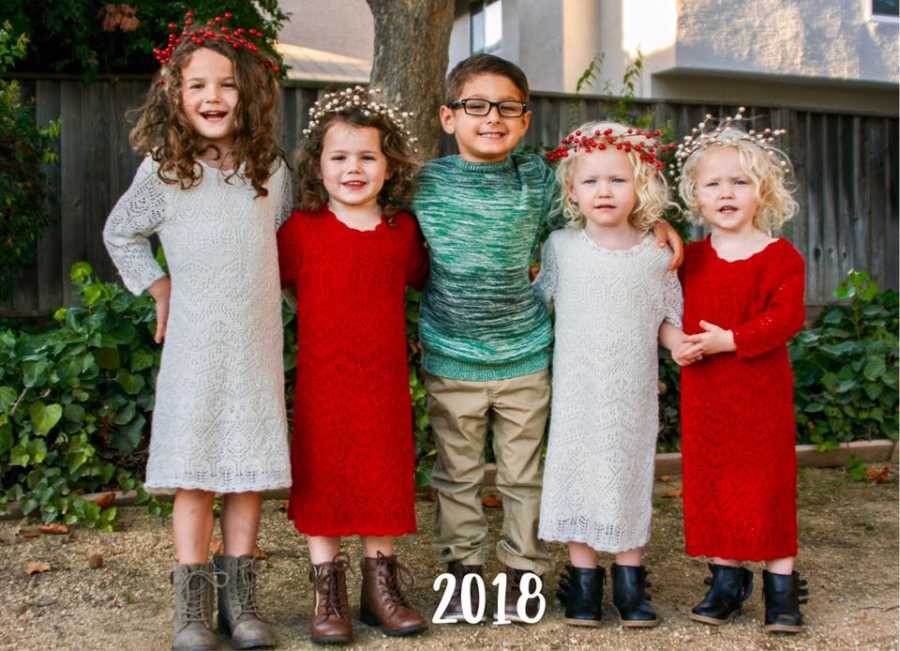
417, 261
673, 301
545, 283
290, 251
285, 196
782, 316
137, 215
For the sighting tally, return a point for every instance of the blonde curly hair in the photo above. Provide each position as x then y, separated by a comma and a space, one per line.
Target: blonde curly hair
767, 170
651, 188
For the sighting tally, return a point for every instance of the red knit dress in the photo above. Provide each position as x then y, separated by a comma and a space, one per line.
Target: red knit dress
352, 449
737, 409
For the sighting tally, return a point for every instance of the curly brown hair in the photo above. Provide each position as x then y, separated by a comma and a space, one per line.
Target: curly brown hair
403, 162
164, 131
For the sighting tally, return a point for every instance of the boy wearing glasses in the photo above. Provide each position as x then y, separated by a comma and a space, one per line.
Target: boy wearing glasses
485, 336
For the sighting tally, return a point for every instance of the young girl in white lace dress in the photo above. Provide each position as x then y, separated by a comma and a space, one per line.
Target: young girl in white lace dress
615, 299
213, 188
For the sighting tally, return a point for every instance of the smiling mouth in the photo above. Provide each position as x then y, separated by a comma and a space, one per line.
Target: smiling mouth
492, 134
354, 185
214, 116
728, 209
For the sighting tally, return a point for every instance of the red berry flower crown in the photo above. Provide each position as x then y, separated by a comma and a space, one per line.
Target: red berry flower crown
645, 143
728, 131
217, 29
366, 100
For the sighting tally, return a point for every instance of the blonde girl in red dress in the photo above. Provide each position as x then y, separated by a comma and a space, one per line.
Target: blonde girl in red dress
349, 253
743, 301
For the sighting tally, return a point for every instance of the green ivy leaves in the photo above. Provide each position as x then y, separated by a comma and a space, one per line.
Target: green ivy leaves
75, 403
44, 417
845, 367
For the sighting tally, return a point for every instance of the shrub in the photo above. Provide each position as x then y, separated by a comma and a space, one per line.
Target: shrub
845, 367
90, 38
23, 149
75, 402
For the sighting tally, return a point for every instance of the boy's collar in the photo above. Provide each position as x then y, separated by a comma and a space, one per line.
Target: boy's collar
482, 166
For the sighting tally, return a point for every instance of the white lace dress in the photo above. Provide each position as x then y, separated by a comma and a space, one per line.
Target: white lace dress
219, 421
598, 476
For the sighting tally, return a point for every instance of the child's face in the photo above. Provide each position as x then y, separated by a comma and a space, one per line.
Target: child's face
209, 96
602, 187
492, 137
725, 193
352, 165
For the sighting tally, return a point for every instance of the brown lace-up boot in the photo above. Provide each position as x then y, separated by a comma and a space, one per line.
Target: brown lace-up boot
330, 622
381, 602
194, 594
238, 613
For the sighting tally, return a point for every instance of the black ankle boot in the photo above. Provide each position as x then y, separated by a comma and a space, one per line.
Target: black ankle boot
581, 593
729, 588
630, 597
783, 594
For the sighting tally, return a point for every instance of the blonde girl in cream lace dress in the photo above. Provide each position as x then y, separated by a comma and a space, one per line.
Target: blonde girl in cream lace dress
615, 299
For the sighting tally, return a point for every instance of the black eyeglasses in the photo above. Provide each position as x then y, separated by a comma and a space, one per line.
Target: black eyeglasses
481, 107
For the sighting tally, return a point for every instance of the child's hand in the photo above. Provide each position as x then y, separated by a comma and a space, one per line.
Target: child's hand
714, 340
160, 290
666, 235
685, 353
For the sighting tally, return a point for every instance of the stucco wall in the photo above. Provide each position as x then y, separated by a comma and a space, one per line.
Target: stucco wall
825, 39
339, 26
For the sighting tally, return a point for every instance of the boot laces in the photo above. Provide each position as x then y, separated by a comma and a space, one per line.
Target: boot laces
195, 597
390, 581
246, 588
328, 585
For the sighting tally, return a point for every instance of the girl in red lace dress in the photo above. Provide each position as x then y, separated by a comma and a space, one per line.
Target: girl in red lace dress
743, 300
349, 254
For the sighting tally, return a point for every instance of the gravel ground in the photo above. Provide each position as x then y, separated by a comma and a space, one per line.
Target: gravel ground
849, 552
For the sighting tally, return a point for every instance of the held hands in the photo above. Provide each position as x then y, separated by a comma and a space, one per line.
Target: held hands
714, 340
666, 235
685, 353
160, 290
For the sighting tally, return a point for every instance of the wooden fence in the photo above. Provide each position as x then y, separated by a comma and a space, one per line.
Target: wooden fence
847, 172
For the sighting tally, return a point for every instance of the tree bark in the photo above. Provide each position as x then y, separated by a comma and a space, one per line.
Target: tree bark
412, 38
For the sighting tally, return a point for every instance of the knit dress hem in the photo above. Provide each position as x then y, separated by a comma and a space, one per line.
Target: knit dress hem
168, 488
593, 544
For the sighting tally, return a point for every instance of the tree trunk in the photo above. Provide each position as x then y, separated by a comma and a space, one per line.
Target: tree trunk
412, 38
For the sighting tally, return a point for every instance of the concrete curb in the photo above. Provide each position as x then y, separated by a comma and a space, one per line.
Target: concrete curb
877, 451
667, 463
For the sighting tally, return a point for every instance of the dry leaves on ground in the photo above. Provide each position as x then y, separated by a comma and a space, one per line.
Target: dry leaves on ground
37, 567
217, 548
55, 529
879, 475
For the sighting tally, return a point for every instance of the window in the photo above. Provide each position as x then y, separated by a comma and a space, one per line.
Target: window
887, 8
883, 11
485, 25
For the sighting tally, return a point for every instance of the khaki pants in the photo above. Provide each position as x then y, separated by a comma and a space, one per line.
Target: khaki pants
460, 412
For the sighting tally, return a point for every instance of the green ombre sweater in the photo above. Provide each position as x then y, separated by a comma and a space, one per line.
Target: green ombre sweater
480, 319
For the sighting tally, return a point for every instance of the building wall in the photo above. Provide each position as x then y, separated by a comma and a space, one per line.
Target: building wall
344, 27
820, 54
818, 39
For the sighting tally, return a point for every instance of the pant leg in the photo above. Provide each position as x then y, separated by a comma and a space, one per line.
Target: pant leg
520, 409
457, 411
